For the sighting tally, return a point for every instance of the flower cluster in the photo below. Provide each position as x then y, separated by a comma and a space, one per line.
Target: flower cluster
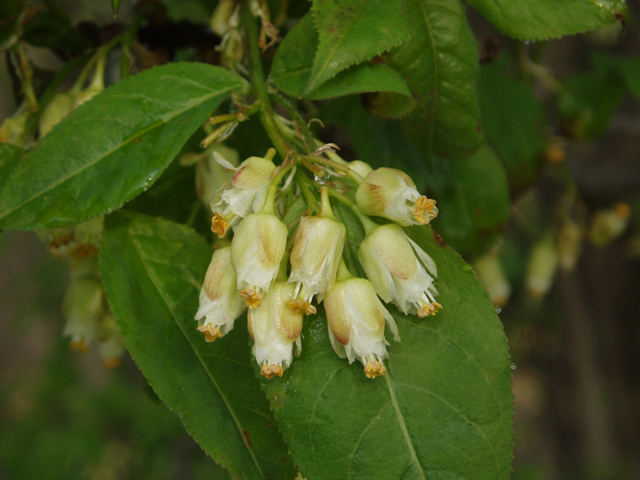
282, 272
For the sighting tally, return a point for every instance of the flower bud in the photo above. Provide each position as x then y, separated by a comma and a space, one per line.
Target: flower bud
493, 278
388, 257
110, 342
75, 242
219, 22
316, 254
390, 193
220, 303
58, 108
608, 225
256, 251
13, 128
245, 193
569, 245
361, 168
542, 268
83, 308
356, 324
274, 329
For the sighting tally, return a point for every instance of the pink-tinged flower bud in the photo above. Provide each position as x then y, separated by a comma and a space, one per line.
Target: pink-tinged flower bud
110, 342
275, 329
608, 225
493, 278
356, 324
569, 245
58, 108
220, 303
542, 267
256, 251
244, 193
82, 307
395, 265
316, 254
390, 193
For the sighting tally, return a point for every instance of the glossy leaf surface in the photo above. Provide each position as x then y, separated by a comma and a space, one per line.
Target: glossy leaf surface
345, 34
152, 269
113, 147
9, 160
440, 66
443, 410
543, 19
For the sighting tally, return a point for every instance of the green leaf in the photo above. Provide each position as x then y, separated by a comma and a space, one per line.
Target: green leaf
113, 147
353, 31
440, 66
9, 160
443, 410
630, 69
473, 199
292, 66
151, 270
544, 19
514, 124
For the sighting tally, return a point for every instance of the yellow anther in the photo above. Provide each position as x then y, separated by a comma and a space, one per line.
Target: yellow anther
304, 306
429, 309
210, 332
79, 346
251, 297
271, 371
423, 210
374, 369
219, 225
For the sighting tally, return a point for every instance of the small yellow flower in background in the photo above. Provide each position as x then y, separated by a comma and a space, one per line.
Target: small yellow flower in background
110, 342
569, 245
83, 308
491, 273
275, 330
390, 193
607, 225
220, 303
542, 267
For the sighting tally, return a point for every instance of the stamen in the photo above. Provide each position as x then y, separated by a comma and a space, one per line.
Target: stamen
79, 346
374, 369
219, 225
297, 306
424, 210
271, 371
251, 297
429, 309
210, 332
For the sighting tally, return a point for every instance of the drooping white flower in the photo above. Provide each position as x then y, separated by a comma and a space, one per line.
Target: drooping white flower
220, 303
356, 319
83, 307
316, 254
243, 194
110, 342
493, 277
542, 267
390, 193
275, 330
256, 251
395, 264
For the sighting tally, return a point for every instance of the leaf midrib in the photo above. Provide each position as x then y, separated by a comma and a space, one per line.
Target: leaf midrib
153, 279
110, 152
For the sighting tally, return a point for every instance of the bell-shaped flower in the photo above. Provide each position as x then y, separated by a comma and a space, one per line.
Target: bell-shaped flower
275, 330
395, 264
110, 342
361, 168
493, 277
356, 320
83, 307
58, 108
220, 304
542, 267
243, 194
607, 225
257, 248
316, 254
390, 193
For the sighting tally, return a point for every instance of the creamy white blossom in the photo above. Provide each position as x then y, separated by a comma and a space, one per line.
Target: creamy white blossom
220, 303
356, 319
256, 251
390, 193
275, 330
397, 268
83, 307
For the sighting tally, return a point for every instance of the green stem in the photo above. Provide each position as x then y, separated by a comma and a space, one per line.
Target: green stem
343, 272
368, 224
273, 187
258, 84
291, 108
305, 186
